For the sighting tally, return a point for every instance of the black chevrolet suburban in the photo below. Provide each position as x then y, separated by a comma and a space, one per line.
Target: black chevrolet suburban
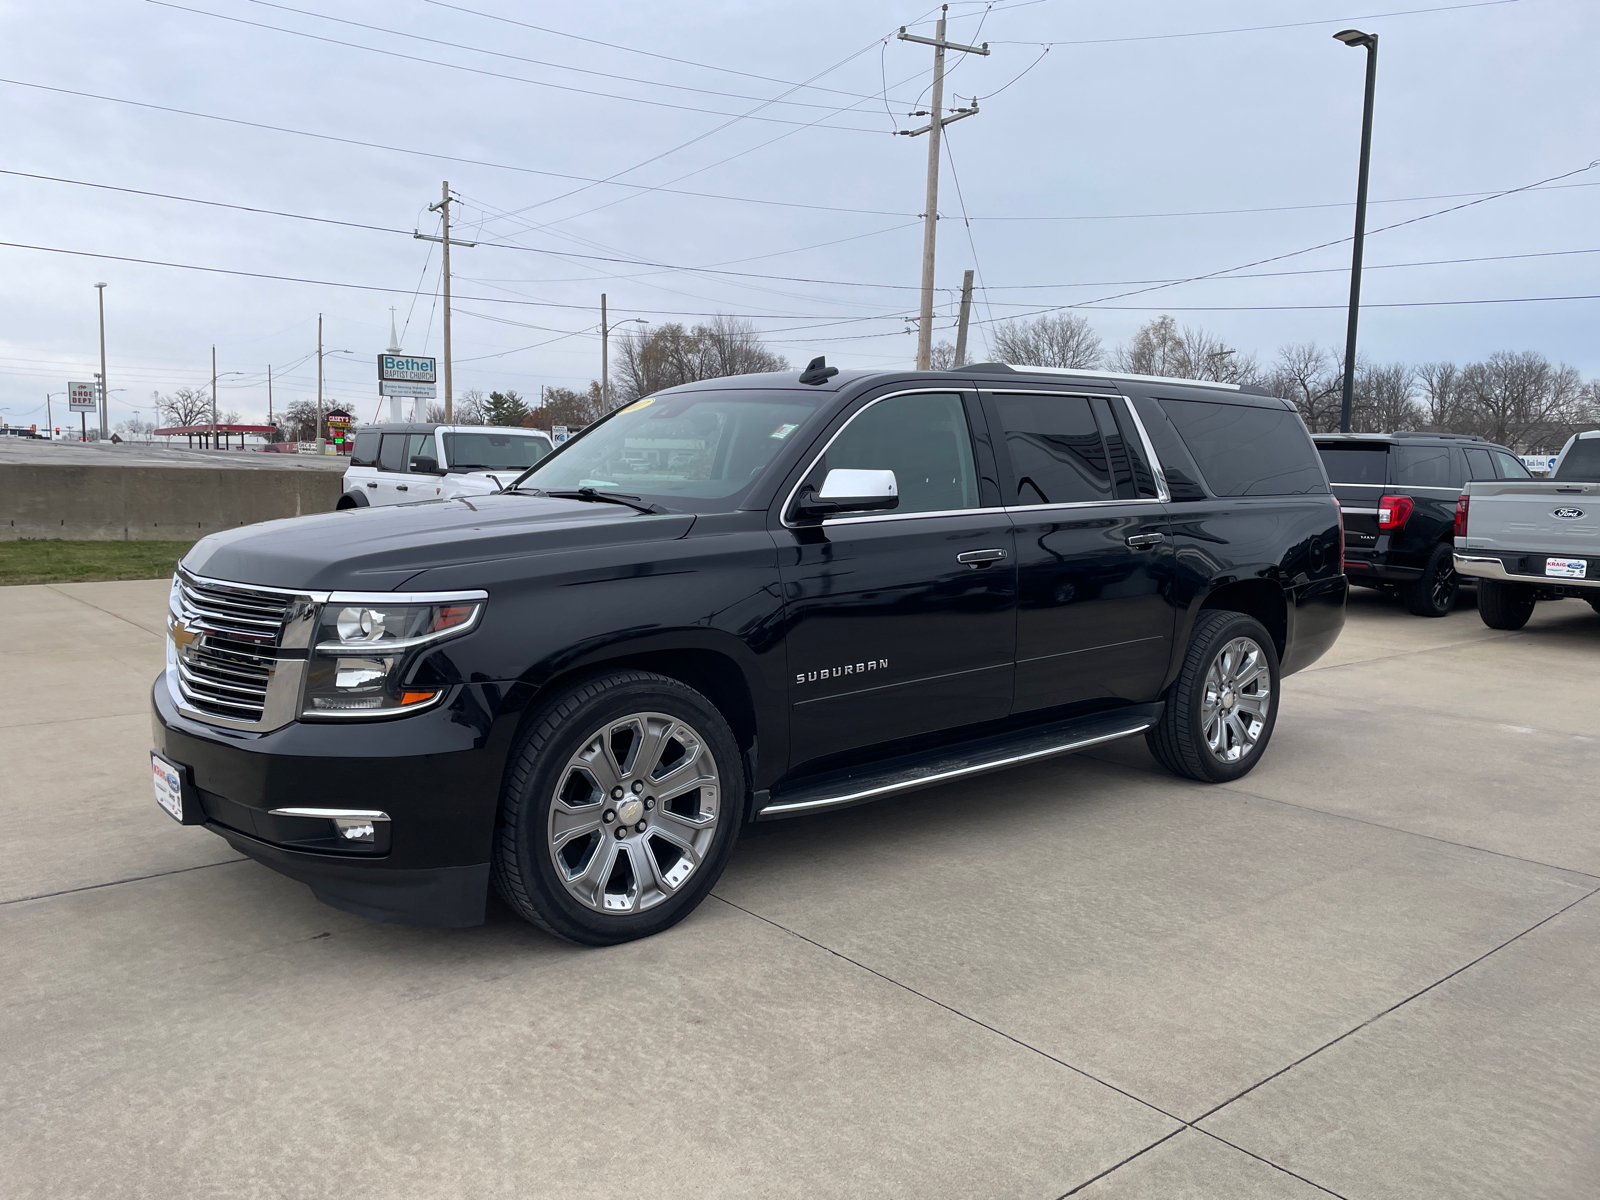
1398, 493
739, 600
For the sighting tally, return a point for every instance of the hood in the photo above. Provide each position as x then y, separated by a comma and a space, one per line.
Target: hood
378, 549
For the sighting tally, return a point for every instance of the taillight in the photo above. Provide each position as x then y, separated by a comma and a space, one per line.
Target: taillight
1461, 515
1393, 512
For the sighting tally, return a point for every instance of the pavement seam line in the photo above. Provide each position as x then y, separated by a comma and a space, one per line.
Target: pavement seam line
107, 611
1407, 653
1339, 816
1269, 1162
1532, 862
91, 887
1376, 1017
1046, 1055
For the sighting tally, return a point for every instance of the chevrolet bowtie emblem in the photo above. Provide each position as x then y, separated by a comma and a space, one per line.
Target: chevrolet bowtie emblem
181, 635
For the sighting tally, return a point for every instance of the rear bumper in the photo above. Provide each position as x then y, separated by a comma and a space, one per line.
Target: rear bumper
1316, 618
435, 775
1490, 566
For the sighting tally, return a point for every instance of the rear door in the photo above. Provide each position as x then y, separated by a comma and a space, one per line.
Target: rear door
900, 623
396, 484
1093, 549
362, 474
1358, 472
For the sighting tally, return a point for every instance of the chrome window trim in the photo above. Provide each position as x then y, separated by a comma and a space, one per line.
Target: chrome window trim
1163, 493
783, 512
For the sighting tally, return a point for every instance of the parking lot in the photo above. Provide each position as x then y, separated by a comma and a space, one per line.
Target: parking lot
1368, 969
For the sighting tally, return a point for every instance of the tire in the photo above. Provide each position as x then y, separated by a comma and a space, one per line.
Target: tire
1505, 605
1223, 647
1434, 595
583, 770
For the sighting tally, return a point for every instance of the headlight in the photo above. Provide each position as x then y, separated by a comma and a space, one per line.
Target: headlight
367, 648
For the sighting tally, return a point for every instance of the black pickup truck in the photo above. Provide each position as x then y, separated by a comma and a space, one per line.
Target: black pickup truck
734, 601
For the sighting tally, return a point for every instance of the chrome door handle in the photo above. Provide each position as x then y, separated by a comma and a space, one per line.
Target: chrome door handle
980, 558
1140, 540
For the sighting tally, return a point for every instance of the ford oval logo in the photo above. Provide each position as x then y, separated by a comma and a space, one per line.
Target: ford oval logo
1566, 514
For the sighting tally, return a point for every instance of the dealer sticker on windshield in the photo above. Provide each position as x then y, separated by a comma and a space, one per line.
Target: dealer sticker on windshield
1566, 568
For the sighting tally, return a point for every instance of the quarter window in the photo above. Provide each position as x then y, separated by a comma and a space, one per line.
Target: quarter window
923, 439
1423, 466
365, 453
1248, 449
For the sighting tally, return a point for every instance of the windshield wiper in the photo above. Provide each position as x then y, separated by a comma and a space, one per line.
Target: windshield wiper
597, 497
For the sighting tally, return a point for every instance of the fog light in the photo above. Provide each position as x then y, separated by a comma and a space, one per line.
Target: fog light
358, 829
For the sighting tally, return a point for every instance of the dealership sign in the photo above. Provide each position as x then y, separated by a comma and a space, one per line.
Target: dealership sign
80, 397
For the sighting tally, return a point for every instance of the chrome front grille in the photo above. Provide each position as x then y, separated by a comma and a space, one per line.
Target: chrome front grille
228, 640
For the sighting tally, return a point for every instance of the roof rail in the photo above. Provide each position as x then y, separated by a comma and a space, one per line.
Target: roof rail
1452, 437
1016, 369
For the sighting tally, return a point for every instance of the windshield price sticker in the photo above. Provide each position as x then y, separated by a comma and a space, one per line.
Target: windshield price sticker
1566, 568
783, 431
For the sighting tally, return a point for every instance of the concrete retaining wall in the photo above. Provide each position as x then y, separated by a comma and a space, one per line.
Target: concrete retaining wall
129, 503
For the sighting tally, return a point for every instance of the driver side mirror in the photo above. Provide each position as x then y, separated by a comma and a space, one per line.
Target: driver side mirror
846, 490
421, 464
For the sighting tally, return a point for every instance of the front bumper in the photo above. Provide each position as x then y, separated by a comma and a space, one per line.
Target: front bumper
436, 774
1493, 566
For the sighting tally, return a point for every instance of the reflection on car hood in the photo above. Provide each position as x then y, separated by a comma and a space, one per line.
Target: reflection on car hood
378, 549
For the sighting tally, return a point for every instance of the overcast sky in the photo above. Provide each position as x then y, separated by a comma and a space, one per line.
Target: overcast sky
1097, 169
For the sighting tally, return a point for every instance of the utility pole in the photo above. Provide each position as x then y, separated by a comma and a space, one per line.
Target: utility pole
605, 357
213, 397
105, 391
443, 208
320, 443
935, 126
269, 394
966, 314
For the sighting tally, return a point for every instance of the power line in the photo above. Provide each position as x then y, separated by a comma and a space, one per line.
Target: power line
538, 62
1163, 37
453, 158
435, 62
646, 53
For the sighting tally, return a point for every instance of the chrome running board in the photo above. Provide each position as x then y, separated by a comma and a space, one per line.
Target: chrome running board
839, 789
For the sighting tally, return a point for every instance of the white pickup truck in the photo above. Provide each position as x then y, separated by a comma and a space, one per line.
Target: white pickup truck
1532, 540
397, 464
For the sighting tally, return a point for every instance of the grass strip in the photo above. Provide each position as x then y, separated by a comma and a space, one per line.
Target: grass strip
51, 560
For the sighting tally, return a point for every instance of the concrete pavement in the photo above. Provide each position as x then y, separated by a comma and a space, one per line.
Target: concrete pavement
1366, 970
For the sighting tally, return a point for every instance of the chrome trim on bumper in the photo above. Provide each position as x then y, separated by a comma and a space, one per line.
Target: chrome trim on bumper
1493, 568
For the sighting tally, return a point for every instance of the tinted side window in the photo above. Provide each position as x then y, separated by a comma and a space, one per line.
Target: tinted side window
1511, 467
1183, 477
365, 451
1057, 453
1582, 462
1144, 482
1479, 464
419, 443
1423, 466
922, 439
1366, 464
1247, 451
392, 457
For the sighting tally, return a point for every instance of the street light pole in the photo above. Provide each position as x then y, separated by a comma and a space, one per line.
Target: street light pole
213, 397
105, 394
1354, 38
320, 443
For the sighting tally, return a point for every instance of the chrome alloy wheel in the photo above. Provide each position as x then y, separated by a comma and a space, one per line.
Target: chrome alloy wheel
635, 813
1233, 710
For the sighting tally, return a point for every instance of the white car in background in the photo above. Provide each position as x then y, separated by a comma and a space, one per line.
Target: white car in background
398, 464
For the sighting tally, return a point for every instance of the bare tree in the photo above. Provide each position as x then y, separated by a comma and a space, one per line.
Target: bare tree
942, 357
574, 409
1309, 376
668, 355
184, 406
1382, 400
298, 422
1060, 340
1521, 399
1162, 348
1443, 402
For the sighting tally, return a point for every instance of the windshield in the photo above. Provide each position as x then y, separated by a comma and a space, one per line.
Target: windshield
492, 451
681, 449
1368, 464
1581, 463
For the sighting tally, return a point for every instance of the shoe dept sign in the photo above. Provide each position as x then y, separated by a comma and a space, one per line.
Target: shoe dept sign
408, 375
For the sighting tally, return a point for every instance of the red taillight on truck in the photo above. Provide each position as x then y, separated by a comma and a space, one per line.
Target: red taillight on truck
1461, 515
1393, 511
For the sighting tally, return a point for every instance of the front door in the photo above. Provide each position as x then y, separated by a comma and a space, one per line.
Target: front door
1094, 553
900, 623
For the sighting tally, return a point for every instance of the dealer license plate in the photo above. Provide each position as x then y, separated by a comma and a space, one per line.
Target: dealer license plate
1566, 568
169, 786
